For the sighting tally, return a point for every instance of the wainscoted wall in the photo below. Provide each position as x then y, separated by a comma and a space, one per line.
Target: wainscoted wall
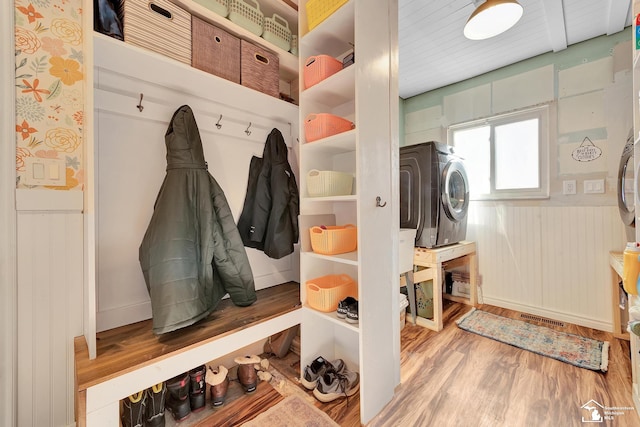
547, 257
50, 226
549, 261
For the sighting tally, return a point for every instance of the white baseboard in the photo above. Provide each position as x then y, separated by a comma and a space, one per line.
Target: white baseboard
600, 325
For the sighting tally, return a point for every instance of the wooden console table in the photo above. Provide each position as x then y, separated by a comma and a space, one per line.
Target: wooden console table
463, 253
620, 318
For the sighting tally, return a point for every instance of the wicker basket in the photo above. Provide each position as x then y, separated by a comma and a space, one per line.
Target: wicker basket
221, 7
248, 17
159, 26
319, 10
214, 50
324, 293
334, 239
329, 183
277, 33
318, 68
259, 69
322, 125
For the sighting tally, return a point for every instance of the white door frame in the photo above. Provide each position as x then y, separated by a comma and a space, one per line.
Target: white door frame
8, 294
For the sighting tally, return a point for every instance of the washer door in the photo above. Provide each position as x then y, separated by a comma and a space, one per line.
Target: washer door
455, 191
625, 184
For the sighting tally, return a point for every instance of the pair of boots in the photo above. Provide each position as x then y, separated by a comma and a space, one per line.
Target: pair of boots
145, 408
186, 393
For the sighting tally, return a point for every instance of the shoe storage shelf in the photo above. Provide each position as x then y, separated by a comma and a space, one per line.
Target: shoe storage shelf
362, 95
131, 358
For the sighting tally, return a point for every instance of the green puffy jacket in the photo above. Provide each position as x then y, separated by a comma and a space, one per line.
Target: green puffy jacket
191, 254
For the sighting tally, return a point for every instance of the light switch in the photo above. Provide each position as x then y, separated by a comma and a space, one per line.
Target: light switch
594, 186
38, 171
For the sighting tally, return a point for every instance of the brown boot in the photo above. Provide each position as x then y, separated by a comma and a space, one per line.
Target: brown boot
247, 373
219, 383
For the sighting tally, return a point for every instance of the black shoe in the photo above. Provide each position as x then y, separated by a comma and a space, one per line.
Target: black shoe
133, 410
343, 305
178, 399
197, 394
352, 313
155, 405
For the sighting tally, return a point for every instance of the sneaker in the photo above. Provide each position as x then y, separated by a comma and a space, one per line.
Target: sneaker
317, 368
341, 312
352, 313
333, 385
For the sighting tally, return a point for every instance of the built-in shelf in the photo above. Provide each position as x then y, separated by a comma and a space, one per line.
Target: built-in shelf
350, 258
331, 317
341, 143
350, 198
288, 62
333, 91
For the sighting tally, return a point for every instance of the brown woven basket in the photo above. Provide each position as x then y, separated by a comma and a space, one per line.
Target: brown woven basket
259, 69
214, 50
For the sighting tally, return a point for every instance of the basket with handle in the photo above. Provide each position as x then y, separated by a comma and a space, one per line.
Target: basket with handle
322, 125
248, 17
318, 68
277, 32
334, 239
324, 293
328, 183
221, 7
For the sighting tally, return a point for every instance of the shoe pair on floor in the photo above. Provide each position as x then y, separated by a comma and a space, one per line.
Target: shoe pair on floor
348, 310
330, 380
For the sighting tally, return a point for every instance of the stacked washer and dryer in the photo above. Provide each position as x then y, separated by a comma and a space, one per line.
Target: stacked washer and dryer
434, 194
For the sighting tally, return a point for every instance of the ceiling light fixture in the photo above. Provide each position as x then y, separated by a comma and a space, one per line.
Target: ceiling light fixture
491, 18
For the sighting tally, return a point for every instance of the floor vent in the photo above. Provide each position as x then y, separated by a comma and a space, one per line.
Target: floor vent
542, 319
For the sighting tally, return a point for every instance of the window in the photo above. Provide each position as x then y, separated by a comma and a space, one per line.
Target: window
505, 156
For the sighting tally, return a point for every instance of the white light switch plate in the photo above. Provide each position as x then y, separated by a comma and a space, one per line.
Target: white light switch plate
594, 186
569, 186
43, 171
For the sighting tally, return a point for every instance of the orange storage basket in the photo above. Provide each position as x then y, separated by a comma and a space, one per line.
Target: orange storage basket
324, 293
318, 68
334, 239
322, 125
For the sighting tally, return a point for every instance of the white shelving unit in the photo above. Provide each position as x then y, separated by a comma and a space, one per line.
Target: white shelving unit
366, 94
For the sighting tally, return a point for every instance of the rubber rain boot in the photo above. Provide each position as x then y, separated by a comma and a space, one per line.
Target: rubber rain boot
197, 389
132, 413
178, 400
155, 405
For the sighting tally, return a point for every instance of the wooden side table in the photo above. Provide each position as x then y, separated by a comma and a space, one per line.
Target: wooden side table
463, 253
620, 319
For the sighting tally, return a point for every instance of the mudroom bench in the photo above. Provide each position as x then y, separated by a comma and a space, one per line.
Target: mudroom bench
131, 358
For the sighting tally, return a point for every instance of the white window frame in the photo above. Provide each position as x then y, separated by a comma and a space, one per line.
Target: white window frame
542, 114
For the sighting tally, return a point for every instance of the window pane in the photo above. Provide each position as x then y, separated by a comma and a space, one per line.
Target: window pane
474, 147
516, 155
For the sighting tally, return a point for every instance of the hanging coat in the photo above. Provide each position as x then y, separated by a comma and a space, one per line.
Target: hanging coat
191, 254
269, 218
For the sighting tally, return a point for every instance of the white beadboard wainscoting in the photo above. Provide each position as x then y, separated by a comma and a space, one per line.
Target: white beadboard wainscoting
548, 261
49, 270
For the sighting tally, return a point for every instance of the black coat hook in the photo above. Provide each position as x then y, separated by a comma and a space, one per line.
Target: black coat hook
378, 204
247, 131
140, 106
218, 125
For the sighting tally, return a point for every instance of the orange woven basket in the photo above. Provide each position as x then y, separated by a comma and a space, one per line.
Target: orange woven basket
318, 68
324, 293
334, 239
322, 125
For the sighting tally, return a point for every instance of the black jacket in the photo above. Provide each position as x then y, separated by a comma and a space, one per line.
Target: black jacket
191, 254
269, 219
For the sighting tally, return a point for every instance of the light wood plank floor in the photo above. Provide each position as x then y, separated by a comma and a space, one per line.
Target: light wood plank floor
456, 378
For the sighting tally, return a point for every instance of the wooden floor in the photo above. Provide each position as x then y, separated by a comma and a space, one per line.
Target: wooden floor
456, 378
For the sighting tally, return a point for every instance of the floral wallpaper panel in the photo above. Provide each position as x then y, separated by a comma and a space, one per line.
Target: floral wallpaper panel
49, 86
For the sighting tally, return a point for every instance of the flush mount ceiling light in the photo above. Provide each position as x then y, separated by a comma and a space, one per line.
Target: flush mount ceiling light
491, 18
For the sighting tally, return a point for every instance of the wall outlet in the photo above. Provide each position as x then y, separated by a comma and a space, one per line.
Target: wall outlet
569, 186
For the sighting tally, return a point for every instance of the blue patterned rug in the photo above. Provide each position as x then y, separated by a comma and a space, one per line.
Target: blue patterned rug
573, 349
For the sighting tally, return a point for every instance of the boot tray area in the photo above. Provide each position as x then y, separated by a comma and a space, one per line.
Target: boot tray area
131, 358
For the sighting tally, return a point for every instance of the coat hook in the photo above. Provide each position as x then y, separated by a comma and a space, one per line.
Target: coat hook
140, 106
247, 131
378, 200
218, 125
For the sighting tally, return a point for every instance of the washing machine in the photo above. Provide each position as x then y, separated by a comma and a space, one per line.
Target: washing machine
625, 189
434, 194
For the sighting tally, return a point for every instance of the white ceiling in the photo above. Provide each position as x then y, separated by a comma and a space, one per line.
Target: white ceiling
434, 53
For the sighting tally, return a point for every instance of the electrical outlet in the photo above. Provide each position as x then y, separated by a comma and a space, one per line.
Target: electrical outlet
569, 186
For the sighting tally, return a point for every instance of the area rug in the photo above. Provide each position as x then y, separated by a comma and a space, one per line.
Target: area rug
292, 411
573, 349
